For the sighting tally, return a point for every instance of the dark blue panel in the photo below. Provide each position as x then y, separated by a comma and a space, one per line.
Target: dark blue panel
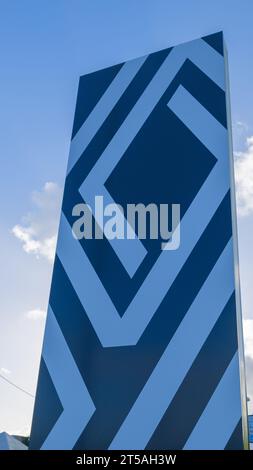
216, 41
91, 88
236, 440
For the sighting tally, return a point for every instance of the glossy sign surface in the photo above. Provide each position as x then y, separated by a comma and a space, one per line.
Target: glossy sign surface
141, 344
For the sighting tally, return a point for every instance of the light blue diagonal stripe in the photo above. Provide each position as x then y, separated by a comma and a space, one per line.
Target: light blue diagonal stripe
202, 124
131, 252
110, 328
221, 415
102, 109
77, 404
91, 292
178, 357
207, 59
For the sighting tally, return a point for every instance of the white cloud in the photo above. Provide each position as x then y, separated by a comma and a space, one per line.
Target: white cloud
36, 314
248, 347
5, 371
248, 337
244, 179
38, 232
241, 127
249, 375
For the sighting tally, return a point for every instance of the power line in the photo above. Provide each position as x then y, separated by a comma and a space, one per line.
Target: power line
16, 386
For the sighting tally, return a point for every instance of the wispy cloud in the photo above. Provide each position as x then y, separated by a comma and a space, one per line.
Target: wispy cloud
241, 127
36, 314
248, 347
5, 371
39, 228
248, 337
244, 179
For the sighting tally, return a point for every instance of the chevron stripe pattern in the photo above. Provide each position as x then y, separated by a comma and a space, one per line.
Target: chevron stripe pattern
141, 345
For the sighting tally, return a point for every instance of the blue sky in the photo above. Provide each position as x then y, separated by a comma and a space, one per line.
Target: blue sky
44, 47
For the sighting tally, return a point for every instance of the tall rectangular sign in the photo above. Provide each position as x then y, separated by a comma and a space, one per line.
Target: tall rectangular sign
144, 323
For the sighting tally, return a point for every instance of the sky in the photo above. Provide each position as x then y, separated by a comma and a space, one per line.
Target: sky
44, 47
